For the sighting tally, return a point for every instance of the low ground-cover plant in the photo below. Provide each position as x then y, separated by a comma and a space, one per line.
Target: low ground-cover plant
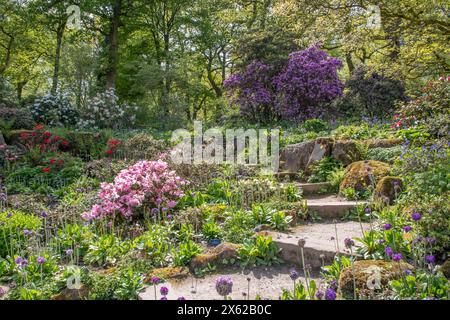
260, 250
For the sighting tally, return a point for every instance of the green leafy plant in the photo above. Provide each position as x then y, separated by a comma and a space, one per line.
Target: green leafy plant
259, 251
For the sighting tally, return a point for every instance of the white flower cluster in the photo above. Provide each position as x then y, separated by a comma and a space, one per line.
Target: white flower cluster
104, 111
54, 110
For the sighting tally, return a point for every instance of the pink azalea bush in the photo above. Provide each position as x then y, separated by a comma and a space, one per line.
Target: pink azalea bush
146, 183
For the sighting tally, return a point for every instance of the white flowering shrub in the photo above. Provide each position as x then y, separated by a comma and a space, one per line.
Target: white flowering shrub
104, 111
54, 110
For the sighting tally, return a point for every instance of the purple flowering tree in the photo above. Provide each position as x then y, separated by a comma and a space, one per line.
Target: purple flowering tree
253, 91
307, 84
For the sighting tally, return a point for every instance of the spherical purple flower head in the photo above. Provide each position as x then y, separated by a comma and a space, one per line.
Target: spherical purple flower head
69, 252
26, 232
44, 214
387, 226
169, 217
24, 263
389, 251
9, 215
407, 228
181, 298
367, 210
224, 286
154, 280
430, 259
41, 260
154, 211
416, 216
163, 298
164, 291
164, 209
407, 272
319, 294
18, 260
349, 243
330, 294
293, 274
397, 256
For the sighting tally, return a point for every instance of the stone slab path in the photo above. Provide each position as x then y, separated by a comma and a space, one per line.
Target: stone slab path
320, 239
266, 281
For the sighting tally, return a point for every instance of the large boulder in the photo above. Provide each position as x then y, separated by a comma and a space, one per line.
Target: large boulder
388, 188
346, 152
362, 174
322, 148
370, 275
295, 157
224, 251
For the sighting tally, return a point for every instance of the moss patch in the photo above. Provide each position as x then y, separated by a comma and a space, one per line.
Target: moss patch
362, 174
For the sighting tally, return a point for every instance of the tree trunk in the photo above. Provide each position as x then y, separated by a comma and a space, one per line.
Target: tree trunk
113, 49
59, 37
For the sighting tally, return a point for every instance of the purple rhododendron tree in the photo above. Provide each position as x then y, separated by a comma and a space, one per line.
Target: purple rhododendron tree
253, 91
308, 84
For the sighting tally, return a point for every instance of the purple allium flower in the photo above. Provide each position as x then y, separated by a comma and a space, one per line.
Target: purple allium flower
416, 216
41, 260
24, 263
9, 215
407, 272
224, 286
397, 256
169, 217
181, 298
367, 210
430, 259
69, 252
407, 228
293, 274
154, 280
389, 251
164, 291
348, 243
163, 298
26, 232
387, 226
330, 294
18, 260
44, 214
319, 294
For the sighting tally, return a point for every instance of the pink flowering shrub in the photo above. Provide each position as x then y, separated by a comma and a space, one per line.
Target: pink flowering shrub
146, 183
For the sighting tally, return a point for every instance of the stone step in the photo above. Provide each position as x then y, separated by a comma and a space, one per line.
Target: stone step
313, 188
330, 206
320, 239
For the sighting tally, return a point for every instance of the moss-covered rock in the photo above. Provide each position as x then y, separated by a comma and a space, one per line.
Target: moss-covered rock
368, 274
346, 152
445, 268
224, 251
362, 174
167, 273
387, 189
383, 143
72, 294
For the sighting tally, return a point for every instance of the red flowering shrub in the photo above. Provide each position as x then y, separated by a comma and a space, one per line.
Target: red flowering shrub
41, 142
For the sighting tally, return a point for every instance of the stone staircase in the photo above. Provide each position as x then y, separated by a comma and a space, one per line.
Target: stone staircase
322, 239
